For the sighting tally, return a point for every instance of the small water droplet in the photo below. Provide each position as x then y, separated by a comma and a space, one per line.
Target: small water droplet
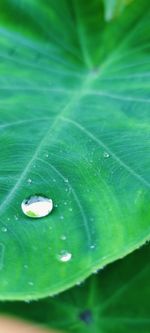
4, 229
92, 246
56, 205
95, 271
70, 209
29, 181
37, 206
25, 266
66, 180
65, 203
62, 217
16, 217
46, 155
106, 154
78, 283
8, 218
63, 237
30, 283
64, 256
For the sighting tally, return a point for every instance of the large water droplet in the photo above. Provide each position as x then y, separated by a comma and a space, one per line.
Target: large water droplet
64, 256
37, 206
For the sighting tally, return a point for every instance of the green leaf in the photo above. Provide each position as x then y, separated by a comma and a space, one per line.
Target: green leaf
114, 8
115, 300
74, 109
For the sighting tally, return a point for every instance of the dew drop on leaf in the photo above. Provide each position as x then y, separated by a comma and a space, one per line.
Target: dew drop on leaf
106, 154
4, 229
29, 181
30, 283
63, 237
37, 206
92, 246
64, 256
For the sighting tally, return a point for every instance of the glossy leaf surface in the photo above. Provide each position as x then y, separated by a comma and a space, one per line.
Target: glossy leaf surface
74, 111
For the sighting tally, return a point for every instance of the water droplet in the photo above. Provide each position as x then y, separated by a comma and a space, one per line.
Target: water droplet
66, 180
29, 181
37, 206
46, 155
63, 237
70, 209
95, 271
62, 217
25, 266
106, 154
56, 205
64, 256
4, 229
65, 203
92, 246
16, 217
8, 218
30, 283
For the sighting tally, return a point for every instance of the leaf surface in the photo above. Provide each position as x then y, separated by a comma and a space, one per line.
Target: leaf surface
117, 299
74, 110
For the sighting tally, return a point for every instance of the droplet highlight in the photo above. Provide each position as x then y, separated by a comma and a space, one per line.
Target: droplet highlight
64, 256
106, 154
4, 229
37, 206
29, 181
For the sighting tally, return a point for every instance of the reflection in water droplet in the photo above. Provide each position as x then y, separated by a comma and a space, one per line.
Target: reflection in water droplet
37, 206
63, 237
106, 155
64, 256
4, 229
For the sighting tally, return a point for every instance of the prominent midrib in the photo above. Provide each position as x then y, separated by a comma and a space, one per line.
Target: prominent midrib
81, 92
